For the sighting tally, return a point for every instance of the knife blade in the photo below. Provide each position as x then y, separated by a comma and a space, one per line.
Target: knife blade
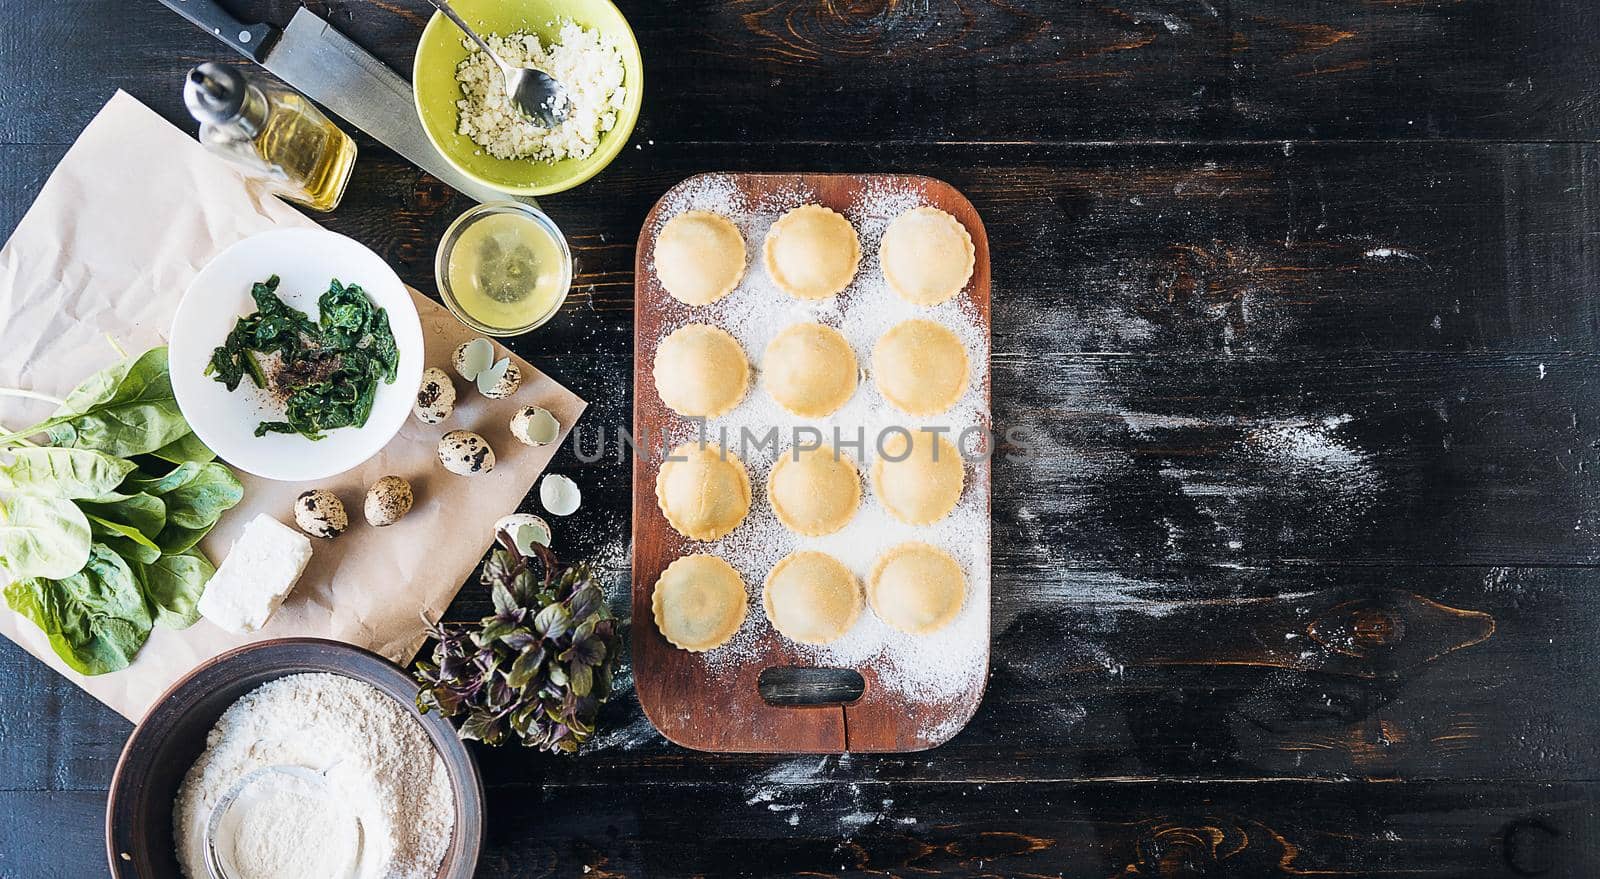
313, 57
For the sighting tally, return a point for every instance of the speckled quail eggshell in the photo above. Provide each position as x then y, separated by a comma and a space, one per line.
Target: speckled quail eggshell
436, 397
388, 500
535, 426
320, 513
509, 381
472, 357
512, 525
464, 453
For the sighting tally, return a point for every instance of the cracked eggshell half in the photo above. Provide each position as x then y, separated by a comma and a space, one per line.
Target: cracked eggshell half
559, 495
535, 426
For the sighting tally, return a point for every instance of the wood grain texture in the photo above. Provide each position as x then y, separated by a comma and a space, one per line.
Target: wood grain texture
1084, 567
1038, 829
1047, 828
1295, 304
920, 71
722, 710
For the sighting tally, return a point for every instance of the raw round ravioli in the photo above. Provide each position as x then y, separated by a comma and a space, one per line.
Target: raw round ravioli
703, 491
916, 588
812, 252
810, 370
700, 257
920, 367
918, 476
699, 602
811, 597
927, 256
814, 491
700, 371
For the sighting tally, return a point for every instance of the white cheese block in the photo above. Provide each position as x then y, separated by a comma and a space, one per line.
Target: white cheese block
259, 571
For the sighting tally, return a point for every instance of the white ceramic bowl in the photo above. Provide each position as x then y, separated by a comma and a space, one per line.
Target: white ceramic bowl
306, 260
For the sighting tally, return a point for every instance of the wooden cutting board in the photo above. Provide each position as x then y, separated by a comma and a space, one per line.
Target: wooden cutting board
716, 704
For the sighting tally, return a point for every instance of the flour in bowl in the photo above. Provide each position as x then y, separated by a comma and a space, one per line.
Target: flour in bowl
377, 768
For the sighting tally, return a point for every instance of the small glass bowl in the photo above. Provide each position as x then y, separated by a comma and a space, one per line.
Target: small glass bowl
452, 235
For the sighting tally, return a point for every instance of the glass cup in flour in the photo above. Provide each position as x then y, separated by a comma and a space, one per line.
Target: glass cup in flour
283, 822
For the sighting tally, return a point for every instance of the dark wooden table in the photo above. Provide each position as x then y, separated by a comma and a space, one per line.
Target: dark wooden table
1295, 302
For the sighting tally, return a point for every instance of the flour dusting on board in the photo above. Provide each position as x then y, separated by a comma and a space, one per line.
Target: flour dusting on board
926, 670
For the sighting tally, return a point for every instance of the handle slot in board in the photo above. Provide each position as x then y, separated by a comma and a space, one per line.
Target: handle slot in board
792, 686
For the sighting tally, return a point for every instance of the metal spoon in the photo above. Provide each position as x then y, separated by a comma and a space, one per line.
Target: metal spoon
536, 93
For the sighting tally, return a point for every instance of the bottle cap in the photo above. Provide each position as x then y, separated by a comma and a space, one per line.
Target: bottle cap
214, 93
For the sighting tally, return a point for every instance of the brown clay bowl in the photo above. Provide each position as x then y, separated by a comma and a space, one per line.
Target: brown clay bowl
165, 744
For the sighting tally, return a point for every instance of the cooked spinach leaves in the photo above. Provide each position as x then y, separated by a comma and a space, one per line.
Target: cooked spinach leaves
327, 370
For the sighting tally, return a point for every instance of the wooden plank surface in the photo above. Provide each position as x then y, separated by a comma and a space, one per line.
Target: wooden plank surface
1294, 557
800, 826
921, 71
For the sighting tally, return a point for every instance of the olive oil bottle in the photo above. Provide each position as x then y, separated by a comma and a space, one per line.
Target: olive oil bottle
278, 133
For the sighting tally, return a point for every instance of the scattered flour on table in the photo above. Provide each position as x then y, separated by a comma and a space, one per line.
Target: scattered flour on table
927, 670
805, 789
1309, 460
377, 759
636, 733
1312, 447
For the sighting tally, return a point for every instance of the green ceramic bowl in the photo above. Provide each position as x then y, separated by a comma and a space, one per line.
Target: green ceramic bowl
434, 80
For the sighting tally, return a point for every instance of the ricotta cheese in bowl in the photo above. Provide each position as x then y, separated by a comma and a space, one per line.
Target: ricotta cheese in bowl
586, 45
588, 63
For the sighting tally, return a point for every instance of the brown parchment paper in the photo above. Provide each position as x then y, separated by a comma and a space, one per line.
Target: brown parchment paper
133, 211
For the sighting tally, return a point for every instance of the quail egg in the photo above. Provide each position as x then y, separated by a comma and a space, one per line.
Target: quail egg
436, 397
388, 500
559, 494
496, 379
464, 453
320, 513
535, 426
472, 357
500, 380
524, 530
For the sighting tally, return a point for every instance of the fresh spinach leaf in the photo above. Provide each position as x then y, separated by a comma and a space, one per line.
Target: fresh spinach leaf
161, 483
102, 546
96, 618
184, 449
125, 540
195, 504
173, 585
123, 411
174, 540
98, 389
64, 473
101, 386
42, 536
145, 513
201, 500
